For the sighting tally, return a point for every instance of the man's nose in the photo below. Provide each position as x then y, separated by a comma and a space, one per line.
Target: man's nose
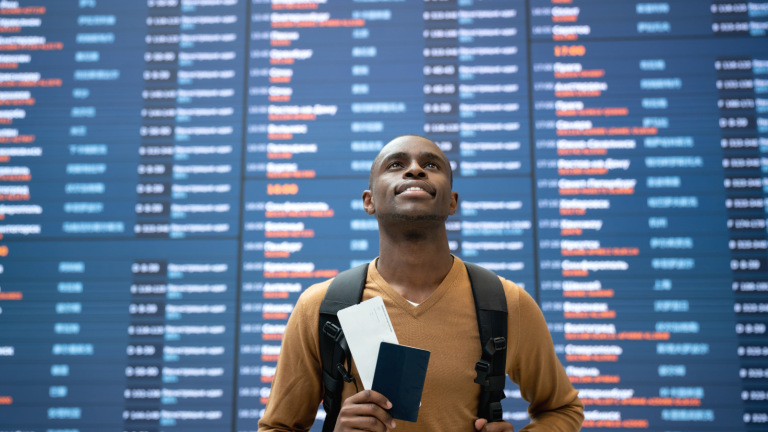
415, 170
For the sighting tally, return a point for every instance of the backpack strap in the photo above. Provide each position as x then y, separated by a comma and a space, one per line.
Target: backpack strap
491, 309
345, 290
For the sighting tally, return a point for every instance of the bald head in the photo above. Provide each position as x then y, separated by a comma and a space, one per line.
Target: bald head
405, 139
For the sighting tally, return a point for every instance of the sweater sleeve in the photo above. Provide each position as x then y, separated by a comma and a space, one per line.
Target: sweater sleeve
297, 388
554, 404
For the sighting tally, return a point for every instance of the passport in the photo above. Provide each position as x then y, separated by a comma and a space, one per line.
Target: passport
400, 374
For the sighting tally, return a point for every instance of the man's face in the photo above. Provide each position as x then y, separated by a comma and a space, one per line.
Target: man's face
411, 182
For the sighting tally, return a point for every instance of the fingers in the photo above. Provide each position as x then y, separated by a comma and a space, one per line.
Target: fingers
370, 396
372, 411
480, 424
356, 423
494, 427
366, 411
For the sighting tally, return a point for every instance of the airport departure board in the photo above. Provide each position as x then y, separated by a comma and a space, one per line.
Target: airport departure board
174, 173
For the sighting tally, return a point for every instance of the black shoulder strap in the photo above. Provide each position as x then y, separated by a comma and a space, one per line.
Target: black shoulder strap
491, 309
345, 290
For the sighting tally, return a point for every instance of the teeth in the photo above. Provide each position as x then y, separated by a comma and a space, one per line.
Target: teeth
414, 189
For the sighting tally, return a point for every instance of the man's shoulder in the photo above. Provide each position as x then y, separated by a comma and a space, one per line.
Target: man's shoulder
313, 296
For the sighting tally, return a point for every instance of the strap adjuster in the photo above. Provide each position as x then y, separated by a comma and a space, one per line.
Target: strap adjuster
495, 344
346, 376
333, 331
496, 414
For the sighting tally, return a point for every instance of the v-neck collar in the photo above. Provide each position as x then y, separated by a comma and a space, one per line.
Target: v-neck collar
423, 307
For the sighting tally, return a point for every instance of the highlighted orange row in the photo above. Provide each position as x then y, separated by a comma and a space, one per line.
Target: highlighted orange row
597, 191
609, 379
280, 136
279, 98
598, 315
282, 189
582, 171
48, 46
609, 131
269, 357
565, 18
299, 214
594, 357
18, 139
284, 155
641, 401
278, 80
292, 174
327, 23
284, 61
15, 102
570, 50
50, 82
286, 117
627, 424
6, 400
29, 10
305, 274
280, 43
19, 177
14, 197
576, 273
605, 112
10, 29
571, 231
597, 293
295, 6
277, 254
581, 152
302, 233
274, 315
590, 73
572, 211
272, 336
578, 93
275, 295
620, 336
617, 251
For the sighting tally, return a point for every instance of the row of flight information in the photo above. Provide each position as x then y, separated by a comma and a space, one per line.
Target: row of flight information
175, 173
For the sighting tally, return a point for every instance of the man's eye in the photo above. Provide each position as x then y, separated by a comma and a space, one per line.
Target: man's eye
431, 165
394, 164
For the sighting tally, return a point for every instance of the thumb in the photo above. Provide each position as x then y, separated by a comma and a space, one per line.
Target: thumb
480, 424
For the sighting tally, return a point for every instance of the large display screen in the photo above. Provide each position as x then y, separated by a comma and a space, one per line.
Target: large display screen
174, 173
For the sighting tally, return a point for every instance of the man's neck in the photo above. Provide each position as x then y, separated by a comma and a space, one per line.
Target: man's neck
414, 265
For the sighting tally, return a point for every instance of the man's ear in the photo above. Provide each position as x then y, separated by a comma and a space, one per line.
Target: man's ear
454, 203
368, 202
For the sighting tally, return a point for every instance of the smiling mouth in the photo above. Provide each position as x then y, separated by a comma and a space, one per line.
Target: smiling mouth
416, 191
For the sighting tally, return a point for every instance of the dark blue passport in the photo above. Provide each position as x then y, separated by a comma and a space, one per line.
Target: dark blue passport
399, 376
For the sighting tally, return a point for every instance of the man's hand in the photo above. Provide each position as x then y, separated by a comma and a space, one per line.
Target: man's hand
482, 425
365, 411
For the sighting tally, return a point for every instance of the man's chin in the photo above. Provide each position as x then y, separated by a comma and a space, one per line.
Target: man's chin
411, 217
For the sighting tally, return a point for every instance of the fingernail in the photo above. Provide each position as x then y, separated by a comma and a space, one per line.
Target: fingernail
389, 404
393, 423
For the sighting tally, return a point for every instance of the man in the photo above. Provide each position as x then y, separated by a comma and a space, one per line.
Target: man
428, 296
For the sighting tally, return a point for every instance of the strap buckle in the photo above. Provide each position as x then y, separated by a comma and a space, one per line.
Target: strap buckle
333, 331
483, 368
495, 344
490, 383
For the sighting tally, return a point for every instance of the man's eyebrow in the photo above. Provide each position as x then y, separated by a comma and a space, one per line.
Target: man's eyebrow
397, 155
431, 155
